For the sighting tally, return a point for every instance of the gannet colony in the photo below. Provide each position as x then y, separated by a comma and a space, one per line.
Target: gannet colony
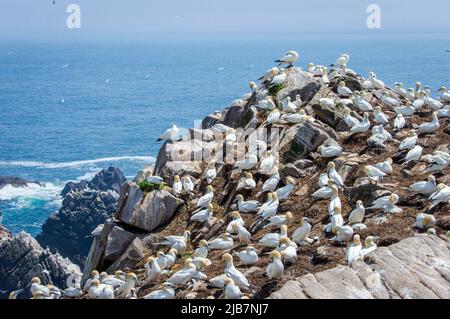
357, 166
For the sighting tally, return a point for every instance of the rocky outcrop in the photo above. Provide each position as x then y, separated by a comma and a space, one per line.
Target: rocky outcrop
15, 181
85, 205
146, 211
22, 258
414, 268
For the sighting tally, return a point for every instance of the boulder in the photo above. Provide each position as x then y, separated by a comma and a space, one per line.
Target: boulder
117, 242
146, 211
135, 252
22, 258
84, 207
414, 268
211, 120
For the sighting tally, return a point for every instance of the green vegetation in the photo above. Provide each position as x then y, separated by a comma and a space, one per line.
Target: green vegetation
275, 88
147, 187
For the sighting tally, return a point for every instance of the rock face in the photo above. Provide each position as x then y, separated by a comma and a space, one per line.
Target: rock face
85, 205
15, 181
417, 267
22, 258
146, 211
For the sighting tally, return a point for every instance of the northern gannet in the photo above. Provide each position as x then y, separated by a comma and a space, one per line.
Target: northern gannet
326, 102
362, 126
280, 78
211, 173
369, 245
275, 269
343, 234
374, 173
414, 154
343, 90
284, 192
269, 74
410, 94
243, 234
288, 106
336, 220
399, 122
425, 187
441, 195
170, 134
429, 127
125, 290
301, 234
398, 88
406, 110
273, 239
290, 58
100, 291
349, 119
248, 256
279, 220
424, 221
183, 275
353, 251
178, 242
356, 217
409, 142
153, 270
377, 84
273, 181
267, 104
221, 243
445, 95
385, 166
206, 199
15, 294
389, 101
231, 291
419, 102
248, 163
323, 179
268, 163
288, 250
330, 151
247, 206
335, 201
269, 208
274, 116
433, 104
231, 272
177, 185
37, 287
380, 117
236, 219
380, 202
334, 175
203, 215
296, 118
166, 292
188, 185
362, 104
391, 206
202, 250
94, 275
110, 280
298, 101
343, 59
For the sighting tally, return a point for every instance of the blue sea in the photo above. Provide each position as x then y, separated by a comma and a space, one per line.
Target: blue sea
120, 96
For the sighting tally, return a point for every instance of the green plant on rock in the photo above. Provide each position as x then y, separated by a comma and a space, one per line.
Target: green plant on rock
147, 187
275, 88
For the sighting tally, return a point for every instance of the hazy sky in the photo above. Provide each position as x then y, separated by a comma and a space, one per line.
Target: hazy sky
141, 19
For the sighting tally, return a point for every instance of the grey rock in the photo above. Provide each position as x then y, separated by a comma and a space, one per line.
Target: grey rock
22, 258
135, 252
414, 268
146, 211
117, 242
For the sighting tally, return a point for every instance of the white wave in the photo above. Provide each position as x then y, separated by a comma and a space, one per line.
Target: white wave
88, 176
45, 191
149, 159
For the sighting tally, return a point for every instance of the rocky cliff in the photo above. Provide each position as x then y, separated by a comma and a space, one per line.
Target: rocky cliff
22, 258
85, 205
144, 218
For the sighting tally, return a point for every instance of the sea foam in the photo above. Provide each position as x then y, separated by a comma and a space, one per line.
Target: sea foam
75, 164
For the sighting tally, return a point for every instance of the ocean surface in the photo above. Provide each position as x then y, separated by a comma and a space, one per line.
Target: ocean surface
69, 110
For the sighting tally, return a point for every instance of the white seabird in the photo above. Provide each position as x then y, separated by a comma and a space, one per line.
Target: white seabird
231, 291
301, 234
279, 220
379, 116
206, 199
275, 269
188, 185
100, 291
334, 175
362, 126
425, 187
177, 186
362, 104
249, 256
166, 292
414, 154
343, 234
231, 272
284, 192
330, 151
236, 219
353, 252
369, 246
221, 243
153, 270
170, 134
343, 90
247, 206
429, 127
409, 142
399, 122
290, 58
203, 215
273, 239
178, 242
424, 221
183, 275
356, 217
